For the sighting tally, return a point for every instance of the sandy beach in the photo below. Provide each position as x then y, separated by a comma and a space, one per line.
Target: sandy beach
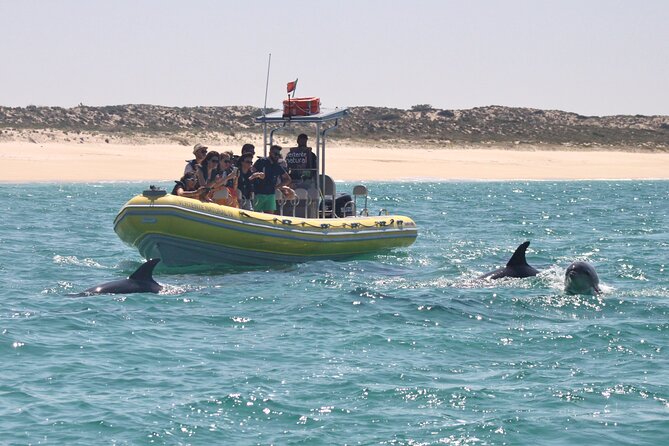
77, 162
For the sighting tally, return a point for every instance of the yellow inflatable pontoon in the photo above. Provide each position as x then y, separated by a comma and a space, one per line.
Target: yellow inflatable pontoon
183, 231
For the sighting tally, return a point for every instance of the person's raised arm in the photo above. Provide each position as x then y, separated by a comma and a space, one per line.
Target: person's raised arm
191, 193
285, 180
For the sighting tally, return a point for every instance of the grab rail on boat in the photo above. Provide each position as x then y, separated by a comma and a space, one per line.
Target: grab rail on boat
271, 136
280, 200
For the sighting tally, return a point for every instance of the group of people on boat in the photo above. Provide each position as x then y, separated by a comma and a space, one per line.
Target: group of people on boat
239, 181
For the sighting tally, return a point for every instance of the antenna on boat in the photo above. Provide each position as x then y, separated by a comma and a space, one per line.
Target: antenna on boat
269, 63
264, 109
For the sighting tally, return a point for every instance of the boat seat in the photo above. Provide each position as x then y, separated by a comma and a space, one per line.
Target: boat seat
327, 194
311, 203
294, 201
360, 191
302, 199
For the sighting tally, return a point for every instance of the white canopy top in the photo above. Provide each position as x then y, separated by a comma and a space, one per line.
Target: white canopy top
324, 116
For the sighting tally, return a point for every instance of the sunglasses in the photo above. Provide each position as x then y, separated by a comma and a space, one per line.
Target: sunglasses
225, 161
215, 160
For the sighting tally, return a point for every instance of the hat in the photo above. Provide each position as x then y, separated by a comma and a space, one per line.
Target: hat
199, 146
248, 148
302, 135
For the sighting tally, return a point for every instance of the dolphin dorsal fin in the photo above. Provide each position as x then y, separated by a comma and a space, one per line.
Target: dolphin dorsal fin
518, 257
145, 272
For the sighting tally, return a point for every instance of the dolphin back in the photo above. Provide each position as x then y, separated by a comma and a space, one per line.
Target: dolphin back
518, 257
517, 266
145, 272
141, 281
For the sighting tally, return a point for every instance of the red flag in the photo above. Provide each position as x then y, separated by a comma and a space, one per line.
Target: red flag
291, 86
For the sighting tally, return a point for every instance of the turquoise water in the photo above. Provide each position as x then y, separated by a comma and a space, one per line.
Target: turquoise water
406, 348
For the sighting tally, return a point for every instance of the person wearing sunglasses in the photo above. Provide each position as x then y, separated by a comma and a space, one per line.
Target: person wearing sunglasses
209, 176
208, 169
276, 178
187, 187
229, 177
247, 181
228, 166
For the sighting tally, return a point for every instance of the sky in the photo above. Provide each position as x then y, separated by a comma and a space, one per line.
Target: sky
593, 57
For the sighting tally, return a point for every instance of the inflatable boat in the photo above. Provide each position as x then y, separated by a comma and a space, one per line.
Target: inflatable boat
317, 224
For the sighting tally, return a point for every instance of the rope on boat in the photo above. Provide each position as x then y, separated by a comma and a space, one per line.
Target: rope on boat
343, 225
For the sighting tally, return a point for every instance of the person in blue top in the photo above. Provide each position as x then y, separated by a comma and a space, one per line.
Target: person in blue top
276, 178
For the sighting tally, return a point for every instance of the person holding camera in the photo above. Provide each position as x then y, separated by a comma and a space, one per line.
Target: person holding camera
229, 174
247, 181
187, 187
212, 179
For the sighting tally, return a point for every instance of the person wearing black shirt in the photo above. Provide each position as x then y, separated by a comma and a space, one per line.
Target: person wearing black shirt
246, 182
187, 187
302, 162
276, 178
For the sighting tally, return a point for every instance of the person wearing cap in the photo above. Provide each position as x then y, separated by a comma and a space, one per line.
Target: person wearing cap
248, 149
302, 162
276, 178
200, 151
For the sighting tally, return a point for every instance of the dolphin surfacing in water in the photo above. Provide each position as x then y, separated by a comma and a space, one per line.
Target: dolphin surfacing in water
516, 266
581, 278
141, 281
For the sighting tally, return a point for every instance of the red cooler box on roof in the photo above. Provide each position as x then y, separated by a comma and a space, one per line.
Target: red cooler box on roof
301, 106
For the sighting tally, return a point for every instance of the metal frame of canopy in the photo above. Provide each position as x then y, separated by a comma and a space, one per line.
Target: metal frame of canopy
279, 122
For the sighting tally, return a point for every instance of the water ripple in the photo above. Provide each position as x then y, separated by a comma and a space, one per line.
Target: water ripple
402, 348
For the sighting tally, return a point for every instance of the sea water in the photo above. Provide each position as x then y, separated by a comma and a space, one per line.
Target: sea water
400, 348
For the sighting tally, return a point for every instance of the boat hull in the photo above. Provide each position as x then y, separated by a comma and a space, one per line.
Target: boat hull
183, 231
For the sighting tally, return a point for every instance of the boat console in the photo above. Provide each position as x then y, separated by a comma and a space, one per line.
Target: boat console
319, 196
